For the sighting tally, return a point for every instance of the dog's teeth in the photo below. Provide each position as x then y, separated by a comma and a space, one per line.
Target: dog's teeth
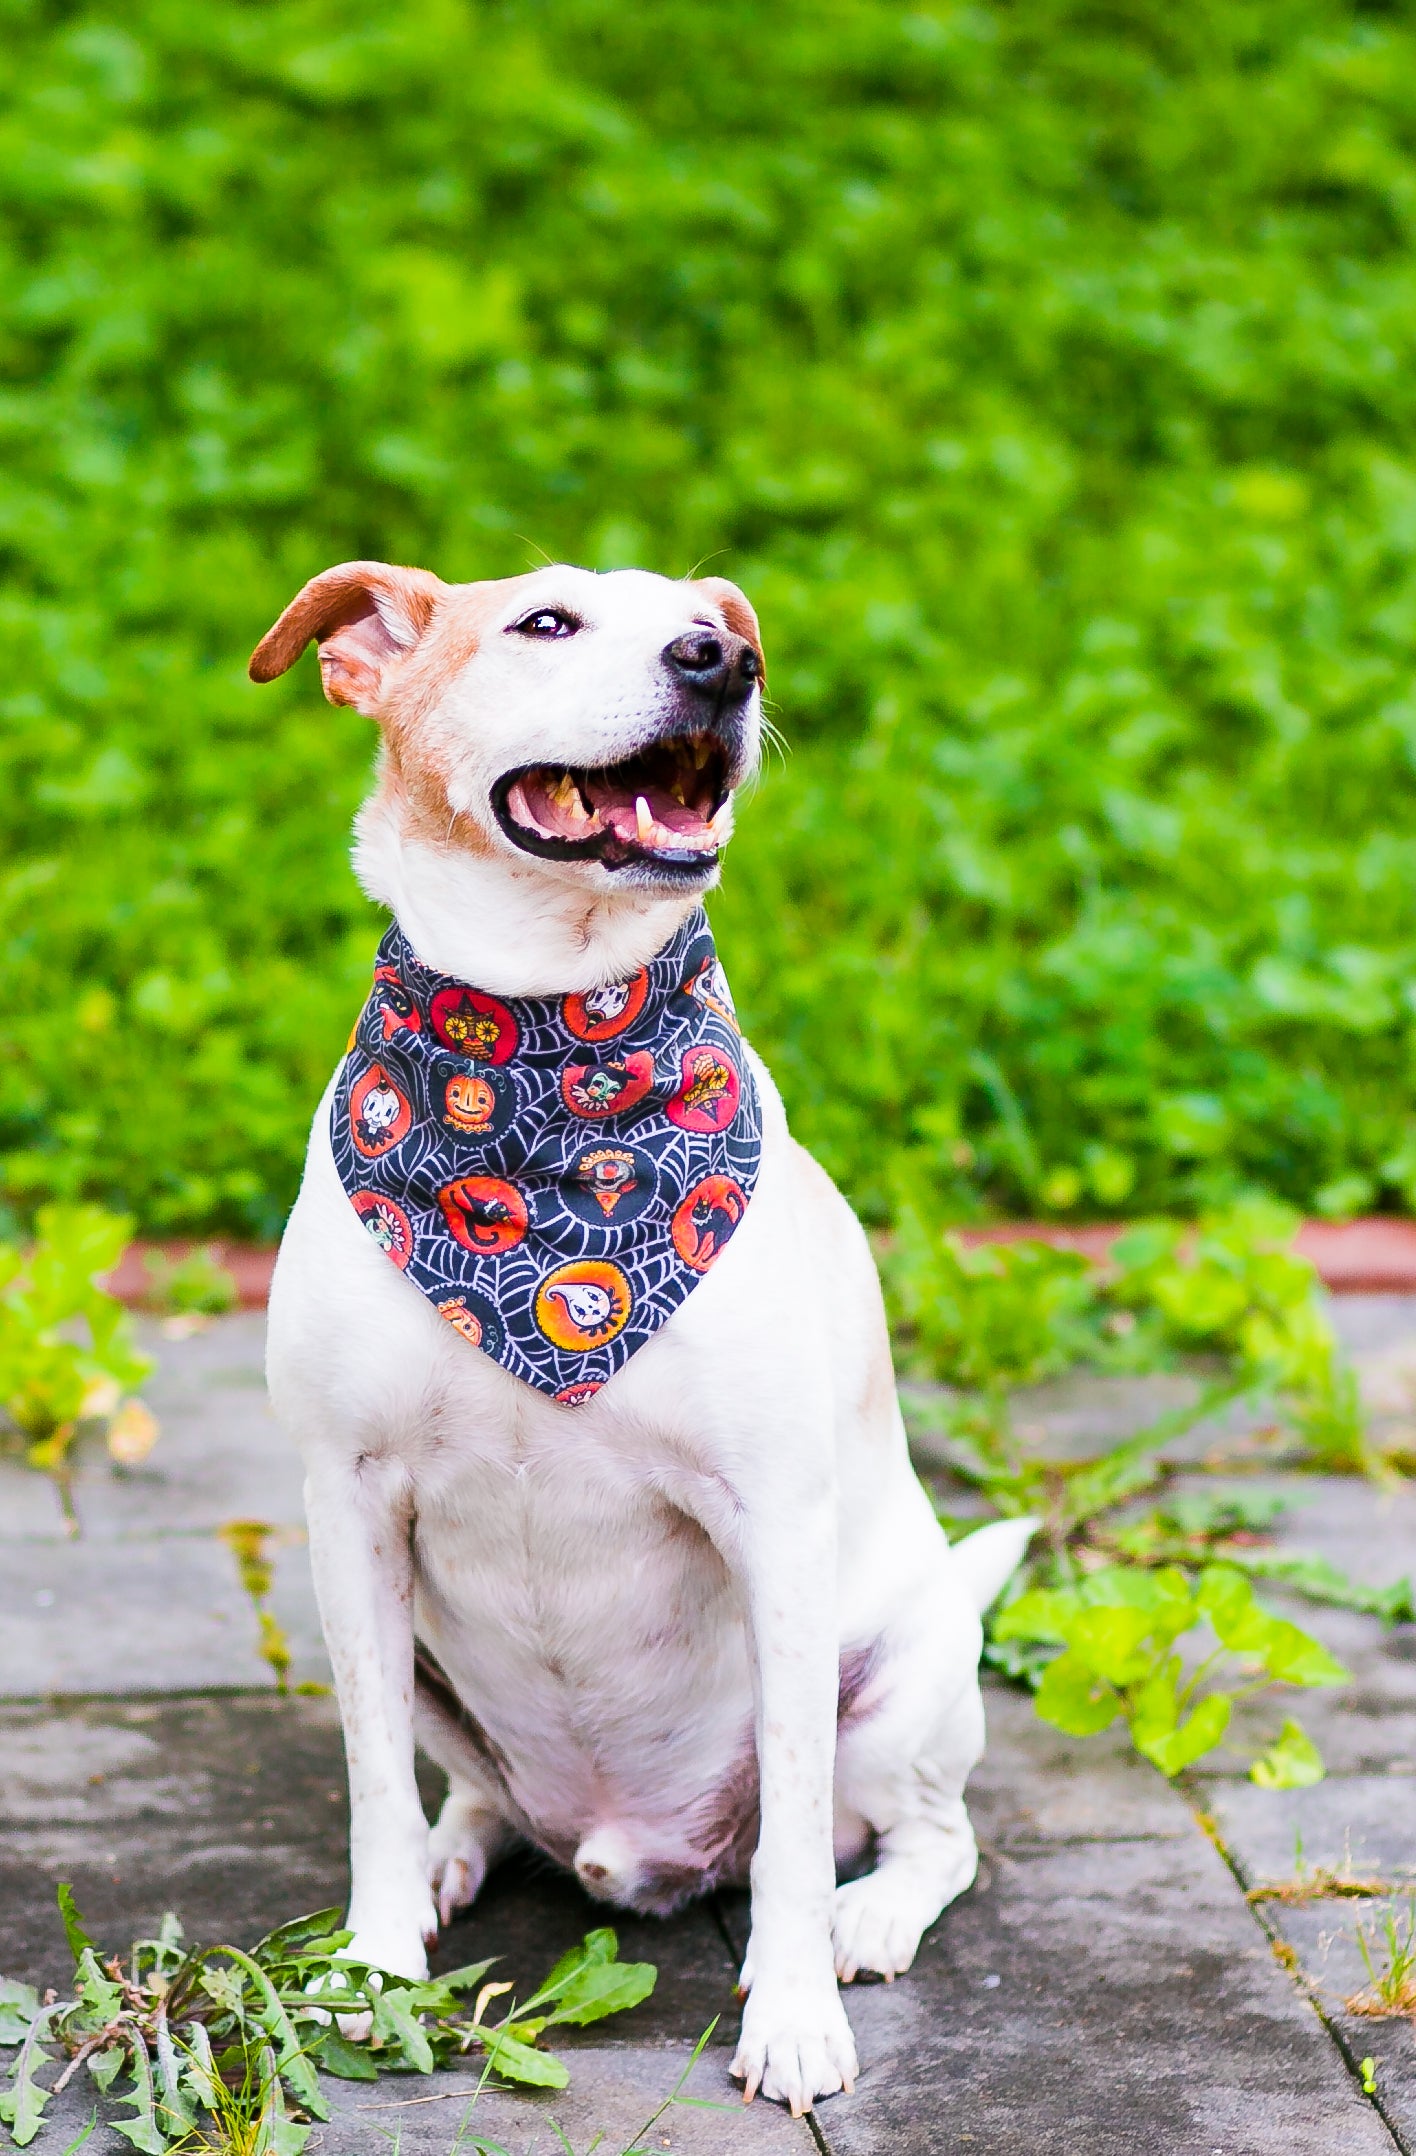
643, 819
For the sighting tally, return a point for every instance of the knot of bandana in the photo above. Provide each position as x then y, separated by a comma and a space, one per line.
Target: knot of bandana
555, 1174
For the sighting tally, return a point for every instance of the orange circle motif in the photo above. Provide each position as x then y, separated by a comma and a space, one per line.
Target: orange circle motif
601, 1013
706, 1219
484, 1214
583, 1305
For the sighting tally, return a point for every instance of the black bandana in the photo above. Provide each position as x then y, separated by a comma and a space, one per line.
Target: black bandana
555, 1174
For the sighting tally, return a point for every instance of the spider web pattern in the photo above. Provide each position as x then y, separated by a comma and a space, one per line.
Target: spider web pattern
618, 1135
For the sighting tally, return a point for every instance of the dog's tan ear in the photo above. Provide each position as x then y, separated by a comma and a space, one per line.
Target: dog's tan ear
366, 614
736, 610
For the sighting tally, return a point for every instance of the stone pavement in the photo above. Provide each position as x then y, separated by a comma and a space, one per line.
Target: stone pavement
1104, 1987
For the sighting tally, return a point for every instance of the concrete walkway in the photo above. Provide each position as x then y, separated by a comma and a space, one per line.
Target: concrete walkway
1105, 1987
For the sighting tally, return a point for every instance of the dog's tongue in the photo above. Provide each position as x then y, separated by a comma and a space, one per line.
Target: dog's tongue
648, 815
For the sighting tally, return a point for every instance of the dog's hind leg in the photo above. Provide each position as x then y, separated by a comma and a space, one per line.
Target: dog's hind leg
473, 1831
906, 1744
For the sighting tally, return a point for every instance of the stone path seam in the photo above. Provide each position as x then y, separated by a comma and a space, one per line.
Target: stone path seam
1288, 1960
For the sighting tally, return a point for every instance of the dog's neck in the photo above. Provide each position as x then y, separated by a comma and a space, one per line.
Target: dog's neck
515, 932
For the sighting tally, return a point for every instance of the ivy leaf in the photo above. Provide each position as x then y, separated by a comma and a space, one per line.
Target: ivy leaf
1043, 1613
1073, 1700
1187, 1741
1292, 1656
1292, 1761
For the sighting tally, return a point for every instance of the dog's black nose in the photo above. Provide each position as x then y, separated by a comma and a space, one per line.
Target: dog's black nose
712, 661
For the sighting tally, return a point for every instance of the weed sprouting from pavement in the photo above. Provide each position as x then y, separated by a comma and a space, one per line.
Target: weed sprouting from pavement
222, 2050
1136, 1603
1388, 1952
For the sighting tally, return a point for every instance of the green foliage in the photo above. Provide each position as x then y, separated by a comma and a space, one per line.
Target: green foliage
1045, 374
197, 1285
1119, 1588
222, 2049
1119, 1631
992, 1316
66, 1350
1389, 1953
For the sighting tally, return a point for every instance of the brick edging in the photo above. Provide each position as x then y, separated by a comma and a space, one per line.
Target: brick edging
1352, 1257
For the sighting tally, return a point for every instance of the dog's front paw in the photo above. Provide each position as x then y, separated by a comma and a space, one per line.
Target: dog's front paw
796, 2043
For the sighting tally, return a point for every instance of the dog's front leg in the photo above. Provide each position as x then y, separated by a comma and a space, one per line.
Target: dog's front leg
796, 2042
360, 1517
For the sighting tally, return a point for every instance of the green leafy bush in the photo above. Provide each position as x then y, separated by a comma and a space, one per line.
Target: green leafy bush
1046, 374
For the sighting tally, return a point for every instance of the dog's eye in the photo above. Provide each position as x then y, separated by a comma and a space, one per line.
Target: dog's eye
546, 621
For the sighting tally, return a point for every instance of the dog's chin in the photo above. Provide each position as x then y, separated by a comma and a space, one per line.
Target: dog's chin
655, 821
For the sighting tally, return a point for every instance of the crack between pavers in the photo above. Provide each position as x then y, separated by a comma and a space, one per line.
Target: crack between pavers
1287, 1958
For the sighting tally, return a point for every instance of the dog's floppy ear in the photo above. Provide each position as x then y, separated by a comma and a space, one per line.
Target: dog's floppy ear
365, 614
736, 610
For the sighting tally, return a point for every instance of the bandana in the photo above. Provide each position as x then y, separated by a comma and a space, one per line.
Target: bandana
555, 1174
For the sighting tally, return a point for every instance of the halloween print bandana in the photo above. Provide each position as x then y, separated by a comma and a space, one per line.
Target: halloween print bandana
556, 1173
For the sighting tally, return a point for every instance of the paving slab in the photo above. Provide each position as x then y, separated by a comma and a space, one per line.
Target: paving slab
1104, 1986
147, 1598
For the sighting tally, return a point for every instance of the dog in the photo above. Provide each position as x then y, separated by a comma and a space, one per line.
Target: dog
703, 1625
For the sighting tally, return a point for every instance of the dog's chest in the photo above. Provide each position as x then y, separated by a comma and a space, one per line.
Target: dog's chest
553, 1567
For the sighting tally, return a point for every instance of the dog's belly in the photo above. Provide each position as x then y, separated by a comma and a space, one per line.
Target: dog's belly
593, 1637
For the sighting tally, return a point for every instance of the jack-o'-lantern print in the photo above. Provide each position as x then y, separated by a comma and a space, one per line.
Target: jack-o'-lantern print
475, 1025
471, 1100
704, 1223
707, 1098
387, 1223
609, 1185
602, 1013
380, 1117
609, 1088
583, 1305
473, 1317
392, 1004
484, 1214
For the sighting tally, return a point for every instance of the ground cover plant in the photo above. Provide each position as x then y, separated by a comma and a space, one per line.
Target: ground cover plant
212, 2047
1137, 1604
67, 1356
1044, 371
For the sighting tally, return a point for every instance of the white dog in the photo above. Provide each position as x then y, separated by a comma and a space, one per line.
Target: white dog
703, 1626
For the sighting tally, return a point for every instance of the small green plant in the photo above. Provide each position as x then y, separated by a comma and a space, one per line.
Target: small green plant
66, 1349
1120, 1632
197, 1285
1388, 1953
1230, 1302
249, 1543
222, 2049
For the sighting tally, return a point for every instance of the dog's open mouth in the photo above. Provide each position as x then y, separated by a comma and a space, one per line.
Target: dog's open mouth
663, 805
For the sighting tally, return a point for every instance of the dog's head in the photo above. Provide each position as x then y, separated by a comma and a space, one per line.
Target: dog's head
596, 724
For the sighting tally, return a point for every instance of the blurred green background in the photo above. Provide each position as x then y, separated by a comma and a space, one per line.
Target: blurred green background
1045, 372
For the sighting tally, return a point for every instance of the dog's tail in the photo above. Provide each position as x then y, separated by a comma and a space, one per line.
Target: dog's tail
987, 1559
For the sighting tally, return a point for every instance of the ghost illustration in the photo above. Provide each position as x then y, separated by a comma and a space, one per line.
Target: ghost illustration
587, 1306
